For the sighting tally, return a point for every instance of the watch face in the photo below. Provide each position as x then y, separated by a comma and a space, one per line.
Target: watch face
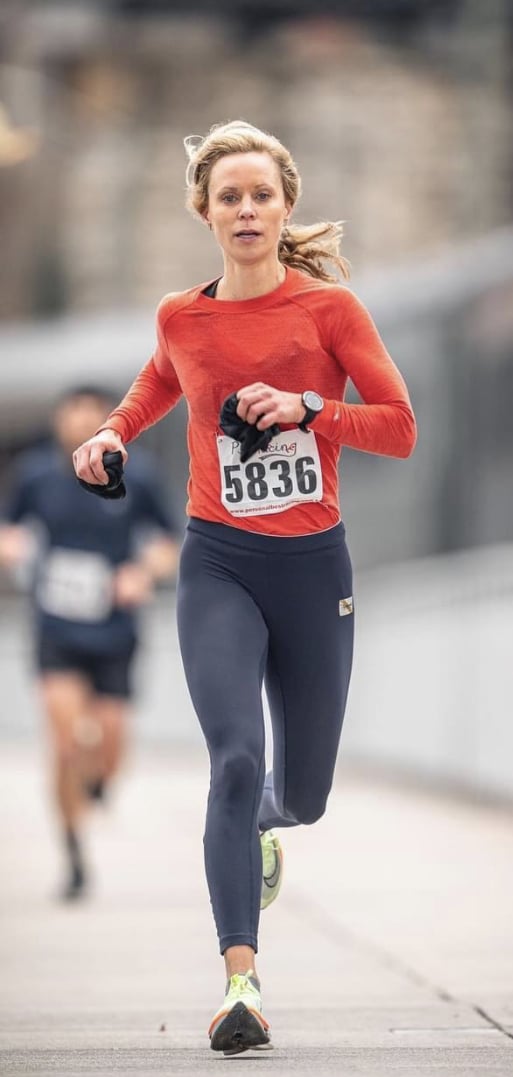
313, 401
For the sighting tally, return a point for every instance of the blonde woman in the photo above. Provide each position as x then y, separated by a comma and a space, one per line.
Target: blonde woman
265, 589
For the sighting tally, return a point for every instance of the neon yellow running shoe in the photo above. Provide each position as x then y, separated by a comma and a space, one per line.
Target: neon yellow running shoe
272, 867
239, 1024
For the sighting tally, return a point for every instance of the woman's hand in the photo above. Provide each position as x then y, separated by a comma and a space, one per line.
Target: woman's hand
87, 459
261, 405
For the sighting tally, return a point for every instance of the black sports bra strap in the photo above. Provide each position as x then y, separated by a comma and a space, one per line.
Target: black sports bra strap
211, 289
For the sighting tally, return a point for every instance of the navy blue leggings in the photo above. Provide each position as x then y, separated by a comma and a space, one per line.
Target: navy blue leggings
255, 608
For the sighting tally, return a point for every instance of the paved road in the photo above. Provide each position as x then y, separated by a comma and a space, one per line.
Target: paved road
390, 949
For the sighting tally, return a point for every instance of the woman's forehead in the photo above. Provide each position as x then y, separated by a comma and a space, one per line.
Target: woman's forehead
237, 169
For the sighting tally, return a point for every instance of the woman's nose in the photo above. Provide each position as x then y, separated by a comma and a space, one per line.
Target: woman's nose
246, 208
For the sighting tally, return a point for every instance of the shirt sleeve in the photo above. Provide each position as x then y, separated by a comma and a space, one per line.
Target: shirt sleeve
384, 423
155, 391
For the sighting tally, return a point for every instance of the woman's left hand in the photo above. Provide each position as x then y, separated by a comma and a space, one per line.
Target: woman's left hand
261, 405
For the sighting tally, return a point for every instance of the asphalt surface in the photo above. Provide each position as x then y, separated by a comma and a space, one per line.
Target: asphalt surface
389, 950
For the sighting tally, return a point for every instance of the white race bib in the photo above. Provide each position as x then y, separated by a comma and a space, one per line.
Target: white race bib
287, 473
75, 585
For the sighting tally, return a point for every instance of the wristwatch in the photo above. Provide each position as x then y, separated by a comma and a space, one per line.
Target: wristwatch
313, 404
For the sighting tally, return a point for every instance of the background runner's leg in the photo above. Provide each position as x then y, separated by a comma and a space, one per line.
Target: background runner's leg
110, 715
66, 697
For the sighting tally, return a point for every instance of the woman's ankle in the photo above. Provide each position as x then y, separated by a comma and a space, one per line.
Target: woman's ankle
239, 960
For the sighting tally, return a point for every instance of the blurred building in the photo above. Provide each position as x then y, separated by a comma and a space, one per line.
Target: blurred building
398, 112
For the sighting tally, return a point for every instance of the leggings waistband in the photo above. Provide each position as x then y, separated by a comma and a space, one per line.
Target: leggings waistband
252, 540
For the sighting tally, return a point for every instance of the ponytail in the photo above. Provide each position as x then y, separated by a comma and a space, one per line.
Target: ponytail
308, 247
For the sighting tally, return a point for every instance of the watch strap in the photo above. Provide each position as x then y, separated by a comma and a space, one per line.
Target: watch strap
309, 416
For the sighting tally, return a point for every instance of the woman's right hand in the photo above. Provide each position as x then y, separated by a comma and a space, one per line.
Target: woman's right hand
87, 459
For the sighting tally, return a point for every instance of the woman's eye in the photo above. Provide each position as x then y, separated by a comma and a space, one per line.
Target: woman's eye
228, 198
263, 196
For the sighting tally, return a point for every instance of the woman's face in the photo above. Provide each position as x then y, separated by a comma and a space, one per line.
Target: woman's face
246, 206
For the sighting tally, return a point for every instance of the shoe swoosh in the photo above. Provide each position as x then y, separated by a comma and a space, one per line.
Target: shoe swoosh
272, 879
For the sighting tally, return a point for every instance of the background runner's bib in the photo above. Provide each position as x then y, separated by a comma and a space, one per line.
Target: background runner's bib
75, 585
287, 473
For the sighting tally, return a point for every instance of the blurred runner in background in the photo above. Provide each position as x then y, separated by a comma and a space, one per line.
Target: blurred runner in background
97, 562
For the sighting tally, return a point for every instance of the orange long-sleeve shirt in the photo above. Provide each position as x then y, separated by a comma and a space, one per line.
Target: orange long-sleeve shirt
303, 335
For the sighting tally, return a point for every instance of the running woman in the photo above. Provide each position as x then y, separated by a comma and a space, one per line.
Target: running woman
94, 568
265, 591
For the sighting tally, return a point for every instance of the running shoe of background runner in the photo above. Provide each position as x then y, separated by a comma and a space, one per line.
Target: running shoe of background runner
239, 1024
95, 789
272, 867
76, 885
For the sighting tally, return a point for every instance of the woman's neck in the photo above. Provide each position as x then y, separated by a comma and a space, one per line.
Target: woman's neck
249, 282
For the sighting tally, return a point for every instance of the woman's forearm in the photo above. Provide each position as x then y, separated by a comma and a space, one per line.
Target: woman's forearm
150, 397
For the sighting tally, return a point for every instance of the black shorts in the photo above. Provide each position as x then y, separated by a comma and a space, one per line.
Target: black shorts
108, 674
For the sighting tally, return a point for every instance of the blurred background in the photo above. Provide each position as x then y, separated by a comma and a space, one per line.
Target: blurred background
399, 114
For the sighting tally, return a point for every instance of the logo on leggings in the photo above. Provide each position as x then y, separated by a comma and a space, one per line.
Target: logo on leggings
345, 606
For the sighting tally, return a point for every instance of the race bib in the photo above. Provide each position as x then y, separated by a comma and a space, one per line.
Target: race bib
75, 585
287, 473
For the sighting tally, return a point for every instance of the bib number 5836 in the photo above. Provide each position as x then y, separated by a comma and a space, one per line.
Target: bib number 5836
286, 473
279, 477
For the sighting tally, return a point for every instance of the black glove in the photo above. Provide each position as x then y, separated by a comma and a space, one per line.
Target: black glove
115, 488
246, 434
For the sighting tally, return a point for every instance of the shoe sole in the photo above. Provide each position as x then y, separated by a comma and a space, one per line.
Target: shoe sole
239, 1031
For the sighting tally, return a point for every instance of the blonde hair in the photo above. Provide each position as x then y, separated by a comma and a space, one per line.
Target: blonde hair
304, 247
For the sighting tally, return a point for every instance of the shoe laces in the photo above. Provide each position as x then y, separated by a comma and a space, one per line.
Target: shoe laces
240, 984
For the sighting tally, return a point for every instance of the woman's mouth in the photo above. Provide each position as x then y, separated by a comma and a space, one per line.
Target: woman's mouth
247, 234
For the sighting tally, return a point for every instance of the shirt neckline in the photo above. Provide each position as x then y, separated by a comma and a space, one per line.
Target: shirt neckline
244, 306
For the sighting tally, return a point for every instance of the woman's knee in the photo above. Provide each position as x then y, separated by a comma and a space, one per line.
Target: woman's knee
305, 810
238, 772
